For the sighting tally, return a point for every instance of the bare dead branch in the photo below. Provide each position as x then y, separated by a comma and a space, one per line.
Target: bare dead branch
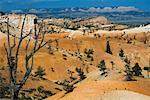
14, 44
17, 51
9, 54
27, 73
27, 35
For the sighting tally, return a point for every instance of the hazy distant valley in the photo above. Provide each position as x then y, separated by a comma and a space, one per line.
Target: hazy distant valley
117, 15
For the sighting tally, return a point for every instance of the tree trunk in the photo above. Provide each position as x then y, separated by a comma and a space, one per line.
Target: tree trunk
15, 94
14, 91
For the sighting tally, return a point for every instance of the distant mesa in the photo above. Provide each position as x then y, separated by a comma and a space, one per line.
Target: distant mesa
105, 9
115, 9
74, 9
101, 20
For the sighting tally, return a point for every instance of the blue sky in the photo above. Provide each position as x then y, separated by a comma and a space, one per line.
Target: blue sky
23, 4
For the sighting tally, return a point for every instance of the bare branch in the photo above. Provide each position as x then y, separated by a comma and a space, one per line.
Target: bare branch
34, 51
26, 56
27, 35
27, 45
27, 73
9, 54
17, 52
43, 36
14, 42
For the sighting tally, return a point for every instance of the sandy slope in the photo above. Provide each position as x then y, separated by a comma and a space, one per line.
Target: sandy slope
123, 95
90, 89
94, 90
2, 35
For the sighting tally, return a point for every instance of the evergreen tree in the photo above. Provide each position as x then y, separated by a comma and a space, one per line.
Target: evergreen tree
121, 53
67, 87
108, 49
128, 71
126, 60
102, 67
80, 73
89, 52
40, 72
137, 71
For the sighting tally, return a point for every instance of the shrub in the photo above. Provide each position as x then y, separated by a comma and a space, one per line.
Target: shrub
126, 60
4, 88
41, 93
128, 71
68, 88
65, 58
102, 67
121, 53
71, 75
137, 71
80, 73
88, 52
40, 72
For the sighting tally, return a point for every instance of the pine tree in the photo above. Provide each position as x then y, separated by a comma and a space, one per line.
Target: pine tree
102, 67
137, 71
126, 60
121, 53
89, 52
40, 72
128, 71
108, 49
81, 74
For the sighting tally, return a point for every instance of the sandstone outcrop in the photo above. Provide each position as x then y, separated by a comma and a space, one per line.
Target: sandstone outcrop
16, 22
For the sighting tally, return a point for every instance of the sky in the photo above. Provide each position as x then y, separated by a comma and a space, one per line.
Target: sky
28, 4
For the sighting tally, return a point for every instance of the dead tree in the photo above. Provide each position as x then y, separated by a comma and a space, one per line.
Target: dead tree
13, 49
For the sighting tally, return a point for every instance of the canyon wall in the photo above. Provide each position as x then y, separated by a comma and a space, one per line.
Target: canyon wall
16, 22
